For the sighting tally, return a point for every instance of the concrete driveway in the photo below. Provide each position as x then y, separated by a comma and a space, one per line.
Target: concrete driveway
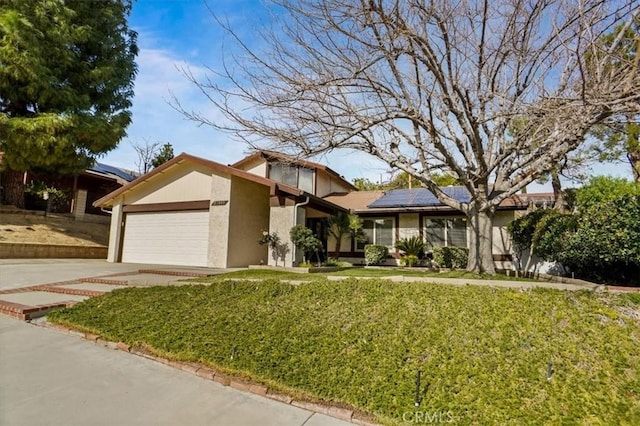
51, 378
16, 273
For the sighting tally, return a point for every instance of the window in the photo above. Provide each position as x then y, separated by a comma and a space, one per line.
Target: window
449, 232
378, 231
298, 177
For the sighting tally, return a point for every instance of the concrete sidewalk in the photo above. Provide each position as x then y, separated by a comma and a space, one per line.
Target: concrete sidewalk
51, 378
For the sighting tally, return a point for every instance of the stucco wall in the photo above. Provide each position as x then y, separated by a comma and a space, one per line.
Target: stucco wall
249, 216
115, 232
281, 221
219, 221
345, 245
409, 225
327, 184
501, 240
174, 185
256, 166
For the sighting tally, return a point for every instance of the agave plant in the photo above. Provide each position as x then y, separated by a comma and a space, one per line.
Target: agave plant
413, 246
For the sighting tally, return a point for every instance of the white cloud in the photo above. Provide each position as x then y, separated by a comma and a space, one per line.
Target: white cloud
159, 77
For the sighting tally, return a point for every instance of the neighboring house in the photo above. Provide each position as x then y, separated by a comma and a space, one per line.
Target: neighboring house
192, 211
82, 190
93, 184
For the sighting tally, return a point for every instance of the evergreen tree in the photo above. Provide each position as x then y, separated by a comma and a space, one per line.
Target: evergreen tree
66, 84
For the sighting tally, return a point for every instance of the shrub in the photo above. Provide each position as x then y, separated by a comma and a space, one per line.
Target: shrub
413, 246
335, 262
552, 233
451, 257
375, 254
304, 239
409, 260
606, 244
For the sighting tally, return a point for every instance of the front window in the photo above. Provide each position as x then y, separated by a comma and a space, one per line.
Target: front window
297, 177
446, 232
378, 231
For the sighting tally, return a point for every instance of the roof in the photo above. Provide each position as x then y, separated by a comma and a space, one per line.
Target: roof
418, 197
113, 172
421, 199
356, 200
272, 155
184, 157
276, 187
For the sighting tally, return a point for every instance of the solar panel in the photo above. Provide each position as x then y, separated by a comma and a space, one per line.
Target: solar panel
105, 168
418, 197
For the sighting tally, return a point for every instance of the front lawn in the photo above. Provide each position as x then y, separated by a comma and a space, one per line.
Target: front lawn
356, 272
483, 352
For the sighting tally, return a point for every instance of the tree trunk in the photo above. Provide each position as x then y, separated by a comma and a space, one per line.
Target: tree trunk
336, 253
558, 197
634, 160
481, 242
12, 183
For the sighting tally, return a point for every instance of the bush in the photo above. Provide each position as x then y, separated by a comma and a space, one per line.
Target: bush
335, 262
521, 230
451, 257
409, 260
304, 240
606, 245
552, 233
413, 246
375, 254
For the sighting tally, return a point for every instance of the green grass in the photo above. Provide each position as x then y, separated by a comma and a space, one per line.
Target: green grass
354, 272
483, 351
393, 271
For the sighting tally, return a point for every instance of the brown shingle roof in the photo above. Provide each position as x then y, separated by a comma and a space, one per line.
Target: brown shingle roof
356, 200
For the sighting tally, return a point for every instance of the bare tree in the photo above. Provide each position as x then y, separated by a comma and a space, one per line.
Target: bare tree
432, 86
146, 152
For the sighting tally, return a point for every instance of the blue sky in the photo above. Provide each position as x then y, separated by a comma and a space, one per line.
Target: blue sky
182, 33
175, 34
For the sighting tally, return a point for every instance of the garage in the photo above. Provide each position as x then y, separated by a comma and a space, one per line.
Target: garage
169, 238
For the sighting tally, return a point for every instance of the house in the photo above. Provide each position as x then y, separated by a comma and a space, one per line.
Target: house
197, 212
94, 183
192, 211
403, 213
82, 190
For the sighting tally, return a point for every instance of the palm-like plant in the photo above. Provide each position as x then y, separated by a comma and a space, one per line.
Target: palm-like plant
342, 224
413, 246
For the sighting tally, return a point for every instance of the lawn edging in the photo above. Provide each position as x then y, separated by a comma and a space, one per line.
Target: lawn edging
301, 270
242, 384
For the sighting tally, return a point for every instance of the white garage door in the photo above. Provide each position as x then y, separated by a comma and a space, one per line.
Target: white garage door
167, 238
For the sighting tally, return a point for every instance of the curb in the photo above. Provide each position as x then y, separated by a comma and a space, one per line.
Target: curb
174, 273
208, 373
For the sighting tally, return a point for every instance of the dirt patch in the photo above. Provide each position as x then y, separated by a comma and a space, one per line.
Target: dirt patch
53, 229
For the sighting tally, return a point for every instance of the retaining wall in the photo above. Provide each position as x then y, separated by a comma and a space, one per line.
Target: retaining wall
50, 251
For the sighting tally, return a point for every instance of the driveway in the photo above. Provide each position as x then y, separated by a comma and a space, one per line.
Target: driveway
16, 273
47, 377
